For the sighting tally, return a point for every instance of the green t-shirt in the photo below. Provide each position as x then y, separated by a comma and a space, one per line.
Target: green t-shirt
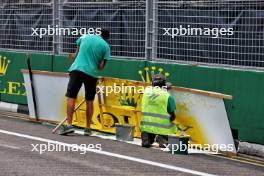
92, 50
171, 105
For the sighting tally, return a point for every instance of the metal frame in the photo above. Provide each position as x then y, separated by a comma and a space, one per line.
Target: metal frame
134, 49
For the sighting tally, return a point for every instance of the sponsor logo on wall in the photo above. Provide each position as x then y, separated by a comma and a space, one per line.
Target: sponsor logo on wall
9, 87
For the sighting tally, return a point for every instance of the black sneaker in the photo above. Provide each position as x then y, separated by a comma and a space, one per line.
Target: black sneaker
87, 132
162, 141
66, 130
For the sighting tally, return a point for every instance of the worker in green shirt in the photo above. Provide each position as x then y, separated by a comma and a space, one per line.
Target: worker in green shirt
92, 53
158, 112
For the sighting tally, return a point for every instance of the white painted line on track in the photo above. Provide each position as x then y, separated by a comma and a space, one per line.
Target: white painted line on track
139, 160
9, 146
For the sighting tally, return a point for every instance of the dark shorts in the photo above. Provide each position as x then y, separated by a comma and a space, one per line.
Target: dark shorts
77, 78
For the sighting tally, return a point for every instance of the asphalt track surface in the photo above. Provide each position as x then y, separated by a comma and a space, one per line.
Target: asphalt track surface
17, 138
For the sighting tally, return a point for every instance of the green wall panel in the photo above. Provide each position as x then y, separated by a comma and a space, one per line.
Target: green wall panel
41, 62
60, 63
12, 88
124, 69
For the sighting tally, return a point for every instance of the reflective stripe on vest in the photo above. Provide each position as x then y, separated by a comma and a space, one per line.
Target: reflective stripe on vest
155, 115
155, 118
171, 125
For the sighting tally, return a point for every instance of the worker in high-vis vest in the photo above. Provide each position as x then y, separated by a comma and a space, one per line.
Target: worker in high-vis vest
158, 112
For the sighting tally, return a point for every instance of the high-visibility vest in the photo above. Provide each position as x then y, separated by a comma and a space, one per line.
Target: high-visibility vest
155, 117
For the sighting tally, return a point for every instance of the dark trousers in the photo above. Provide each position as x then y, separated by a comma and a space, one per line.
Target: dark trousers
148, 139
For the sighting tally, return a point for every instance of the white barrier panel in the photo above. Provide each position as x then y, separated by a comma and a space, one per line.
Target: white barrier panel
200, 114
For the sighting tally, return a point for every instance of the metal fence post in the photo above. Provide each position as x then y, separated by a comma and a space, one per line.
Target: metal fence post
149, 30
60, 25
57, 38
155, 29
55, 22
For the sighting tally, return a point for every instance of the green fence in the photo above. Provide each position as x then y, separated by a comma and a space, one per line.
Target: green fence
245, 111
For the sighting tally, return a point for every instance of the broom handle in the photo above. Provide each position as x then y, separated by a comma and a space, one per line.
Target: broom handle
62, 122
